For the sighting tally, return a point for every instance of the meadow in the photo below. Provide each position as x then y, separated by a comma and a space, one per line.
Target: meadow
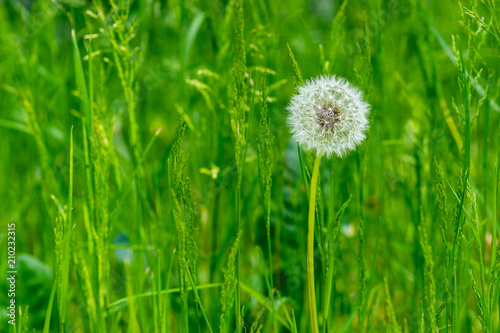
153, 185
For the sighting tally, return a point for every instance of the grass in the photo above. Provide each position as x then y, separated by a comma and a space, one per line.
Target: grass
155, 187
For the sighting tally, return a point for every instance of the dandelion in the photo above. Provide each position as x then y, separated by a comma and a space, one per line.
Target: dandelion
327, 116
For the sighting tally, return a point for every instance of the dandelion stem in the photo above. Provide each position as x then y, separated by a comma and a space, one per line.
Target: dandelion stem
310, 246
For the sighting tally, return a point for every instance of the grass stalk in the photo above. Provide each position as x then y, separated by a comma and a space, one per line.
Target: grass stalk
197, 296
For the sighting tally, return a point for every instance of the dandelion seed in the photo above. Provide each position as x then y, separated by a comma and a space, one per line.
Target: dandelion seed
328, 116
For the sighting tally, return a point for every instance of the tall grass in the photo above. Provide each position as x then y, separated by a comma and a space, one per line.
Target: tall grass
147, 163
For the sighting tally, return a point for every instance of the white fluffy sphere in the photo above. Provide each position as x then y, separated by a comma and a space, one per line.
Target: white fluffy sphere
328, 115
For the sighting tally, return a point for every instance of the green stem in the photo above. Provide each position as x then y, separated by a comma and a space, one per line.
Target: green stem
310, 246
238, 262
271, 286
197, 296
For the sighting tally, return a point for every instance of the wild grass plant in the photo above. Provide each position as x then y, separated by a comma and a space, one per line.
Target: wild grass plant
149, 167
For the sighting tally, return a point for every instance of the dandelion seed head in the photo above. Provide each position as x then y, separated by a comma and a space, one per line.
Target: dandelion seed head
327, 115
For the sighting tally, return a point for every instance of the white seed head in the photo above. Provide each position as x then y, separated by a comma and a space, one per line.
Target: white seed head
328, 115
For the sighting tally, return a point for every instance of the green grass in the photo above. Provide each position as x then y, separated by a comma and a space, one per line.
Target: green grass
155, 186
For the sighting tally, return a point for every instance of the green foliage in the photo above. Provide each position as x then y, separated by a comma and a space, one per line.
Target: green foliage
125, 223
32, 291
362, 275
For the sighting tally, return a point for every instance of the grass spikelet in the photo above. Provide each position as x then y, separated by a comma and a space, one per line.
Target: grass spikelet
257, 326
297, 74
237, 92
493, 284
265, 161
440, 310
49, 183
101, 163
180, 238
120, 34
441, 191
186, 231
237, 106
59, 236
338, 33
364, 74
476, 230
265, 151
23, 320
393, 323
177, 157
239, 67
228, 289
481, 309
430, 284
421, 323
